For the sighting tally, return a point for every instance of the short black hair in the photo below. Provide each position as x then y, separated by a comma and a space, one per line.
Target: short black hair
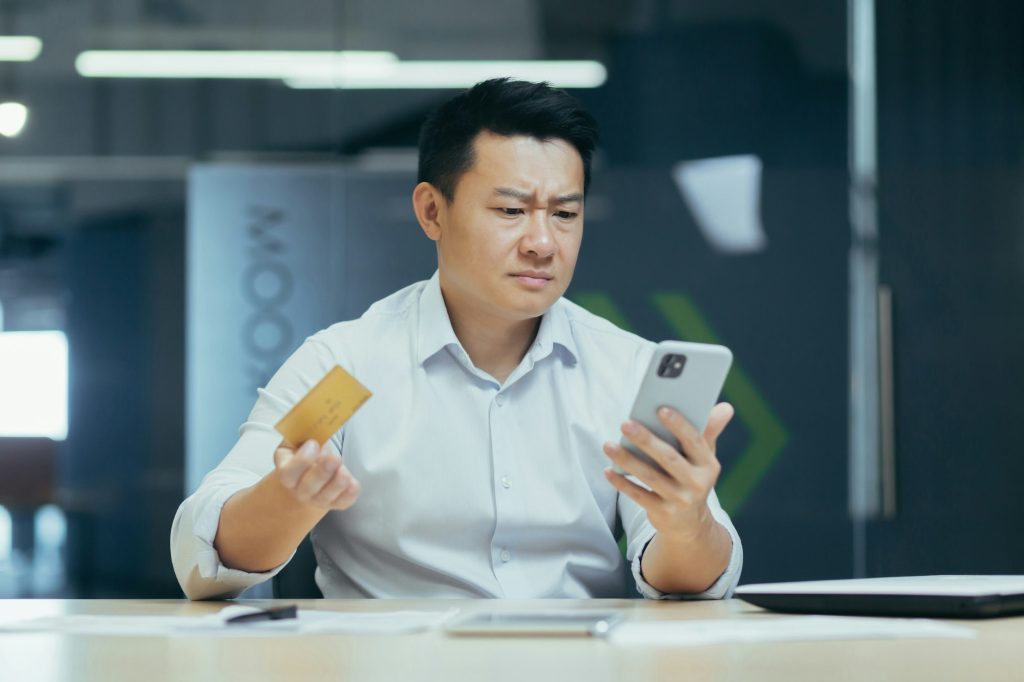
505, 107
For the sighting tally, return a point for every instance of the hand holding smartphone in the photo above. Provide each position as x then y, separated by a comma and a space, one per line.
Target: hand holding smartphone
688, 377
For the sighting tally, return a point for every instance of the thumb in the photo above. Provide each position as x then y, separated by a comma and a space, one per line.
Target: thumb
721, 415
282, 455
292, 464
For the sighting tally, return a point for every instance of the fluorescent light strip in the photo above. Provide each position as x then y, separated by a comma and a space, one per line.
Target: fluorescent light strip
19, 48
328, 70
225, 63
456, 74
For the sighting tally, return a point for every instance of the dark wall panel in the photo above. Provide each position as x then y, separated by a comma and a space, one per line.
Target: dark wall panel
951, 103
121, 470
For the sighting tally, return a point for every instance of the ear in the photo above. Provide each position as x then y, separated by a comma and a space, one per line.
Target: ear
428, 203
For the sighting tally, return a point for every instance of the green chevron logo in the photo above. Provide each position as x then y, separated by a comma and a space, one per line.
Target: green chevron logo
767, 434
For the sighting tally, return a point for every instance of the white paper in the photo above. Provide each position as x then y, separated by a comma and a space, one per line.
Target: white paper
724, 196
791, 628
308, 622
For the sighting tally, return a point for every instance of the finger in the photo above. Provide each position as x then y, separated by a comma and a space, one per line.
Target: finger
292, 464
692, 442
334, 487
645, 498
721, 415
281, 455
665, 454
317, 475
347, 497
628, 462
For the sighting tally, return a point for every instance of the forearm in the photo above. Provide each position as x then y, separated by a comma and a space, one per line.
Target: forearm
261, 526
688, 563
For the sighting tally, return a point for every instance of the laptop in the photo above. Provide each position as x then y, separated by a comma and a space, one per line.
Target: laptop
932, 596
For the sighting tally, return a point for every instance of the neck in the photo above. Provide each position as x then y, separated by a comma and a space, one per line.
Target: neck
495, 345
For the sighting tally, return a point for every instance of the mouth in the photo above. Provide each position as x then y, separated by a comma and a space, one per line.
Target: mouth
532, 278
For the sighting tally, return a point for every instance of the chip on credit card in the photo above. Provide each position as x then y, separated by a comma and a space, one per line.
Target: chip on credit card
323, 410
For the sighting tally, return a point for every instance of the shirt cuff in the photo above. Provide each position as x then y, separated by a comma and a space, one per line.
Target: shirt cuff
720, 589
208, 560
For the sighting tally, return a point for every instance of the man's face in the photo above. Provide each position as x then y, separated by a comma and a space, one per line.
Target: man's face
508, 242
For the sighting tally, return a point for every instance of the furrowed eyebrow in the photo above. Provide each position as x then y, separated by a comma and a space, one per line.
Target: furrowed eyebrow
527, 197
516, 194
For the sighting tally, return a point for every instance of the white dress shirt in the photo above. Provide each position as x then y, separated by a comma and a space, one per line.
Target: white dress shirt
470, 487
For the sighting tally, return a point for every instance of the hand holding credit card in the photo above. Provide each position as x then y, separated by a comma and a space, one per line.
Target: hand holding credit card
323, 410
306, 464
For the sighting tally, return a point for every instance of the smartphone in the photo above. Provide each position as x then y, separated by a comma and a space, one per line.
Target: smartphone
687, 377
579, 623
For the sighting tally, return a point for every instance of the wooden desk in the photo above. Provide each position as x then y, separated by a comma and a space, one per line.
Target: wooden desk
994, 655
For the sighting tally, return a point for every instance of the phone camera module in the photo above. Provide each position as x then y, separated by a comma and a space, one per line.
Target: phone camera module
671, 365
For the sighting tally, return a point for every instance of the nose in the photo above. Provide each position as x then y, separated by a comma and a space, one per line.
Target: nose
538, 240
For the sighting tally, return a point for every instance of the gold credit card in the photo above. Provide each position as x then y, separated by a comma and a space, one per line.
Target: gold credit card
323, 410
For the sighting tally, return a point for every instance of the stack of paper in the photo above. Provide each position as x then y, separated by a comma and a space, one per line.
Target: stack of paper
308, 622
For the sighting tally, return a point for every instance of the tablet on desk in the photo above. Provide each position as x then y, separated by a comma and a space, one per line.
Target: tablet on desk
541, 623
933, 596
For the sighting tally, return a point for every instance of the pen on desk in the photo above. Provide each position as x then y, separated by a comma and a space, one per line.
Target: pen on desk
276, 613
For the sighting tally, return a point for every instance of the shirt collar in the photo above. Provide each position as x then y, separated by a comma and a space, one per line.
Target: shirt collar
435, 327
555, 332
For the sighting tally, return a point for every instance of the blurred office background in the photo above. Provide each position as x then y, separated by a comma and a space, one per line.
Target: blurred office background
830, 187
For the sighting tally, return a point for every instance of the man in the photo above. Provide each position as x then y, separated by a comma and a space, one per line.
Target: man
480, 467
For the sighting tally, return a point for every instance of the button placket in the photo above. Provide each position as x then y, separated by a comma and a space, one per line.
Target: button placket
501, 555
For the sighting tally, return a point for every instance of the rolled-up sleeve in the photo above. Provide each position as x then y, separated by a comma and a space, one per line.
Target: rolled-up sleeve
197, 564
640, 532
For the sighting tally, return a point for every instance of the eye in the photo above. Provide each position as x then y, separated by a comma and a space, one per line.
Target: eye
510, 212
566, 215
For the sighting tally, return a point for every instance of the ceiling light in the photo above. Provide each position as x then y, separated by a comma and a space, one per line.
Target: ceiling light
328, 70
263, 64
455, 74
12, 118
19, 48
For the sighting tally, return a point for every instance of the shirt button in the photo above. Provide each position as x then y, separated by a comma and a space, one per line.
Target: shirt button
499, 399
506, 555
505, 482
